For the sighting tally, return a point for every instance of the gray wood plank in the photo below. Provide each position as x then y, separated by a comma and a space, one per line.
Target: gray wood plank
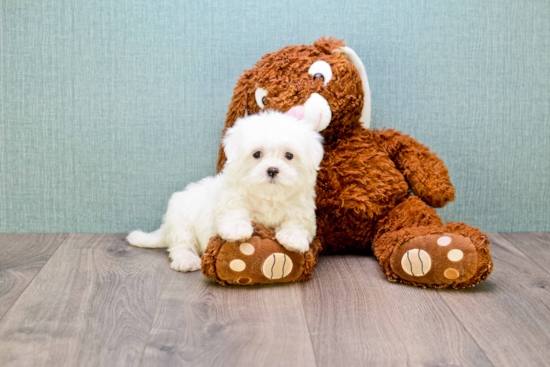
201, 323
358, 318
535, 245
509, 314
21, 258
92, 304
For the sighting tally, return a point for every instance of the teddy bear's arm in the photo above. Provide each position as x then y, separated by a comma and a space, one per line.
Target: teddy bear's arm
358, 180
426, 174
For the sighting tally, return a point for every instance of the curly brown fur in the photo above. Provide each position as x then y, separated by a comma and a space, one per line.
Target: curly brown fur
426, 174
411, 213
311, 258
208, 259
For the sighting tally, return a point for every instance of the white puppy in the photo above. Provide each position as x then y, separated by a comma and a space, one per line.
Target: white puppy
269, 178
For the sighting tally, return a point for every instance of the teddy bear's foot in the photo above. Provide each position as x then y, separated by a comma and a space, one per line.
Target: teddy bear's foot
435, 259
258, 260
453, 256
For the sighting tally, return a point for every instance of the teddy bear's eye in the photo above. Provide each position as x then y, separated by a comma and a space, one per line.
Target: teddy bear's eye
319, 75
321, 69
257, 154
260, 95
289, 156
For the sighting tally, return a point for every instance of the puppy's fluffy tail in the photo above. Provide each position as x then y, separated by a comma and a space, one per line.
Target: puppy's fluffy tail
150, 240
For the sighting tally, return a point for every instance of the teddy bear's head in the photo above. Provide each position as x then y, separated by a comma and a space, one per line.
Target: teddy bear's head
325, 81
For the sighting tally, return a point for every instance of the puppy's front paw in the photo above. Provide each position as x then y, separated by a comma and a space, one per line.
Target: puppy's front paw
293, 240
237, 231
185, 261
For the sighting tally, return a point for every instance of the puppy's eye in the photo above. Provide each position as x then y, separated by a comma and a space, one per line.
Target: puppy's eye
321, 69
289, 156
260, 95
257, 154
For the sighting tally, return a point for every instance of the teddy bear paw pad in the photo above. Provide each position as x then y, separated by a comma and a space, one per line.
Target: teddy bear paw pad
435, 259
416, 262
277, 266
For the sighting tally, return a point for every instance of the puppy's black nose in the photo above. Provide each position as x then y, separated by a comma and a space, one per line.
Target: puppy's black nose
272, 171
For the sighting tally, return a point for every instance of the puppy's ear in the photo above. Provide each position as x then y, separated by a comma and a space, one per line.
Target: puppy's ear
231, 142
315, 149
311, 148
237, 108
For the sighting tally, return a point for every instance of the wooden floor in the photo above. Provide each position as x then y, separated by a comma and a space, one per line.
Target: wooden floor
92, 300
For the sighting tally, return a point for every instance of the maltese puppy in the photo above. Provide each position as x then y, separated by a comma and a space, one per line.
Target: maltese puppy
269, 178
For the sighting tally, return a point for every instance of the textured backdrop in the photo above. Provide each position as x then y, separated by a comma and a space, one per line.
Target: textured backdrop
107, 107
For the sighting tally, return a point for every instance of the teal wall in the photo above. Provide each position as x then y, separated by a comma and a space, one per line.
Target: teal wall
107, 107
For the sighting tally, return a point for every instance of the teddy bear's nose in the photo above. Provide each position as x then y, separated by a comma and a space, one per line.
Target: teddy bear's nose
316, 110
297, 111
272, 171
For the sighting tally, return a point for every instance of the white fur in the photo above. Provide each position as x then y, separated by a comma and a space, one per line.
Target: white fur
244, 192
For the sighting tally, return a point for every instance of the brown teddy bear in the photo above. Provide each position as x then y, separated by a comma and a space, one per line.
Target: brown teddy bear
375, 189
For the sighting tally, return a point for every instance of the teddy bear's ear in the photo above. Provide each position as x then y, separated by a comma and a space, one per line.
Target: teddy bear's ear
356, 61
